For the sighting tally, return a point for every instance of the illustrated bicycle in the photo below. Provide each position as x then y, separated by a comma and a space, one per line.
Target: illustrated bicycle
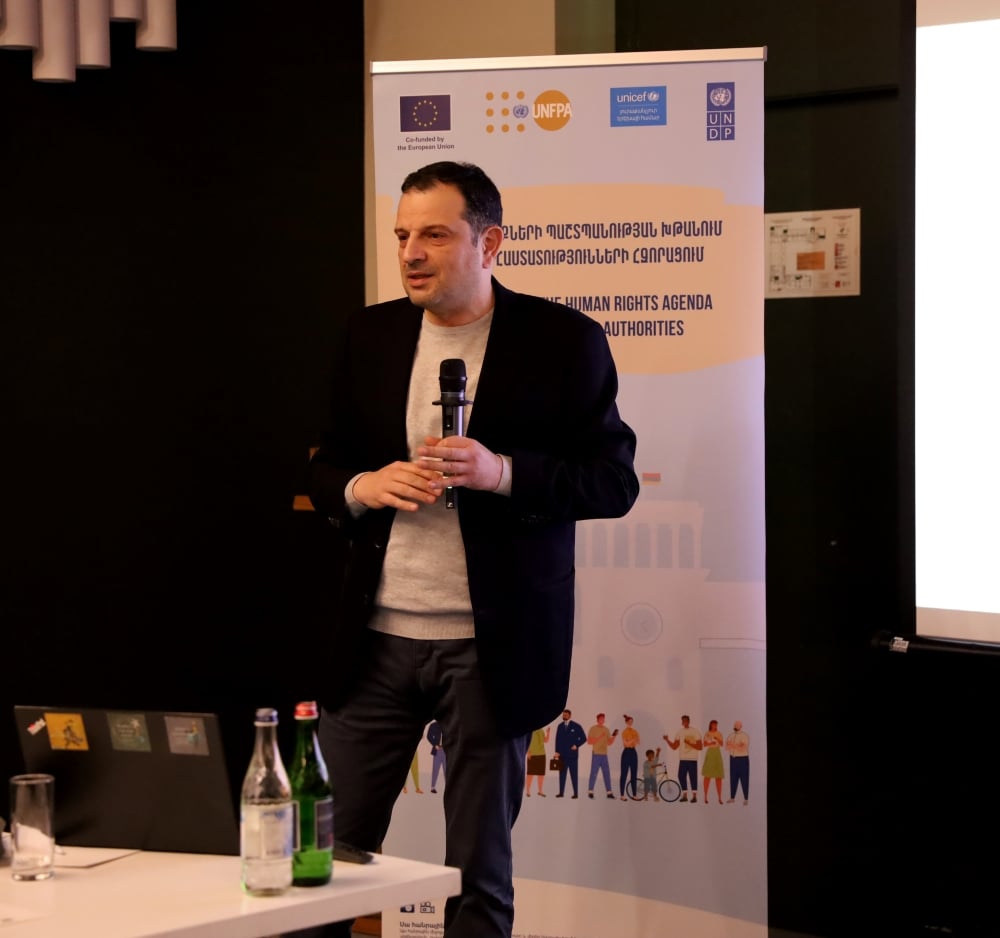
667, 788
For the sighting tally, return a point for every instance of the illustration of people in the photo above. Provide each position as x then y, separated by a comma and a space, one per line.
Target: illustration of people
649, 774
712, 767
536, 762
738, 747
630, 758
415, 773
600, 737
569, 738
689, 740
436, 738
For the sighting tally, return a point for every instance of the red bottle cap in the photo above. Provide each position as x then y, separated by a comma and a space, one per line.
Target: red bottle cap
306, 710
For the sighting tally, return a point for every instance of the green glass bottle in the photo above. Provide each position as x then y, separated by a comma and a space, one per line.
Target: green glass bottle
312, 860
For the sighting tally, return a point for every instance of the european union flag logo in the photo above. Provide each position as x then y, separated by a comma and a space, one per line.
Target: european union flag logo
425, 112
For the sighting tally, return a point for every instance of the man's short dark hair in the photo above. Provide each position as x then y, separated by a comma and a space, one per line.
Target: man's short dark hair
483, 207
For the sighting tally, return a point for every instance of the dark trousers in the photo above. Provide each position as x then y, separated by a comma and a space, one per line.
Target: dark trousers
403, 684
630, 768
687, 773
739, 774
568, 764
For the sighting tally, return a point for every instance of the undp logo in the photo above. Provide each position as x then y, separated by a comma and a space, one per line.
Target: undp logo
552, 110
720, 95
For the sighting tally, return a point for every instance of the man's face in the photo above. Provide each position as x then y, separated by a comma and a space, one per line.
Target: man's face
442, 270
565, 715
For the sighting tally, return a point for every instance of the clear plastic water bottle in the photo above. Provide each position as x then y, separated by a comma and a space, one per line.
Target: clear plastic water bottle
312, 863
266, 814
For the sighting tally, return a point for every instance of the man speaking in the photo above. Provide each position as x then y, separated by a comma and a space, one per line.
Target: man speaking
462, 616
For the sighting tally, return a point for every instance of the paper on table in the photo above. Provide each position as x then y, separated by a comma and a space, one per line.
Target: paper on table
84, 857
33, 840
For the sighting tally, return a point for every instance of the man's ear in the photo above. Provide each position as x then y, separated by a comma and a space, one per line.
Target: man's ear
492, 239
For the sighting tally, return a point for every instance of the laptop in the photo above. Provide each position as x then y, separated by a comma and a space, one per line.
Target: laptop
138, 779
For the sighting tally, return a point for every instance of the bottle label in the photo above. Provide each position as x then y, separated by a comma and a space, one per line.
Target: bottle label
324, 824
266, 831
313, 823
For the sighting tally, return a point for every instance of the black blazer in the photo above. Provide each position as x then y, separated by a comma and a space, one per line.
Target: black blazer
546, 398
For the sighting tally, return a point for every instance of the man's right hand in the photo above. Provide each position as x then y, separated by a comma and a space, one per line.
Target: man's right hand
402, 485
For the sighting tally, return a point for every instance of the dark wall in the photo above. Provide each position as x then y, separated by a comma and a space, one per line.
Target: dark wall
875, 762
179, 237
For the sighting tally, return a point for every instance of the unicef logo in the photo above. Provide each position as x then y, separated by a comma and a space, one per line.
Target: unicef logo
521, 111
653, 95
720, 97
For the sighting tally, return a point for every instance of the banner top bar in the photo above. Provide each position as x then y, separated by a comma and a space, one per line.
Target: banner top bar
570, 61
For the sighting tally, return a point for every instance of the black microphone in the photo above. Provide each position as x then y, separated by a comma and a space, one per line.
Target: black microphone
452, 379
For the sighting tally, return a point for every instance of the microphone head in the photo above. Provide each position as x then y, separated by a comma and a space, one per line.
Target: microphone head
452, 375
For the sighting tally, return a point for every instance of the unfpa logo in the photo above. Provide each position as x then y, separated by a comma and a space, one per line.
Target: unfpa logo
506, 112
552, 110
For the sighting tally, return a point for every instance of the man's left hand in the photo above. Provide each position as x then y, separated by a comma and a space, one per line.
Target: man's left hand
463, 462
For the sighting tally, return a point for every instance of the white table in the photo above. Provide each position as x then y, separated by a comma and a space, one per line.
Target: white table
189, 895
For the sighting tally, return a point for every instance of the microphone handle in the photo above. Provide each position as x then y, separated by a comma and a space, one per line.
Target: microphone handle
452, 424
453, 420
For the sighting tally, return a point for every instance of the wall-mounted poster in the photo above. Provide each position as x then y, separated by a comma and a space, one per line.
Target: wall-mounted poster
813, 253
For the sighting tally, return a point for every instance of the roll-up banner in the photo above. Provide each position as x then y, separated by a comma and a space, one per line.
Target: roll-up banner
633, 190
